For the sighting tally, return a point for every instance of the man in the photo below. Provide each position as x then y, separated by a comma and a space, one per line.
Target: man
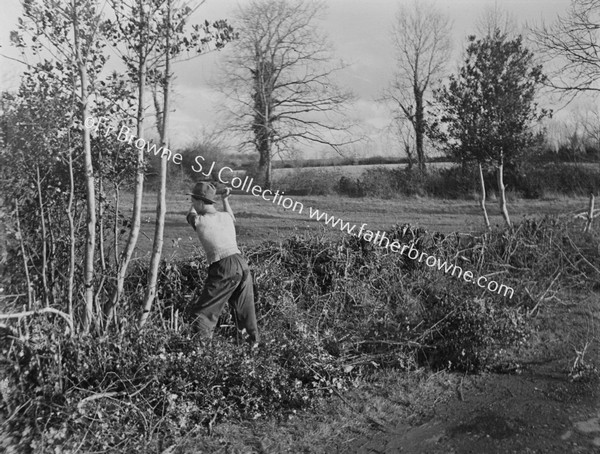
229, 278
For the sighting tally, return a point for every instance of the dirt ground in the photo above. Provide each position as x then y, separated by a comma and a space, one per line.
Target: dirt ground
538, 411
537, 408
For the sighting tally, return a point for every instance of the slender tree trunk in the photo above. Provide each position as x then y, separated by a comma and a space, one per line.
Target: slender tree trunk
136, 216
101, 223
267, 138
590, 216
269, 169
101, 246
137, 198
482, 200
157, 245
51, 263
409, 157
419, 128
88, 270
502, 190
24, 254
158, 109
161, 202
116, 226
44, 236
71, 234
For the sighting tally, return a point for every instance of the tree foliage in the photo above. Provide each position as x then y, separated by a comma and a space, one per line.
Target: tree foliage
488, 110
59, 170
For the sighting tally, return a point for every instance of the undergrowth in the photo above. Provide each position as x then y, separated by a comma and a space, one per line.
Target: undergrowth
330, 312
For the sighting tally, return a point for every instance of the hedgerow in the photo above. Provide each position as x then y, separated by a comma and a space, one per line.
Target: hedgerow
530, 180
330, 312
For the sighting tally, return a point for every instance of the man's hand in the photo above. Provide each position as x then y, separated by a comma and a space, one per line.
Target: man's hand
226, 194
226, 206
191, 217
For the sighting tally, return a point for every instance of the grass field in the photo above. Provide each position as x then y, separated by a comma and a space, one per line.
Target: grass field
258, 220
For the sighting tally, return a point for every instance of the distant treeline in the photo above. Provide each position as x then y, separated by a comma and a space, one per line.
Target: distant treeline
532, 181
372, 160
548, 156
544, 171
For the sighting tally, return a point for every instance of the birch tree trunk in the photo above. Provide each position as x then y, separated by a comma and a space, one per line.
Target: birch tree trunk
137, 198
71, 233
482, 200
44, 236
590, 216
88, 270
25, 260
502, 189
161, 199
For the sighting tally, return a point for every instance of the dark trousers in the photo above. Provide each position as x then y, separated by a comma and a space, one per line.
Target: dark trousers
229, 280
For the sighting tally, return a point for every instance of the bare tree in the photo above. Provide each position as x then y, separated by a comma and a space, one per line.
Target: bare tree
590, 122
402, 132
497, 18
571, 48
421, 38
279, 80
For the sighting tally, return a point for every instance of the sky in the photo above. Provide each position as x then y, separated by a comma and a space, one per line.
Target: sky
360, 32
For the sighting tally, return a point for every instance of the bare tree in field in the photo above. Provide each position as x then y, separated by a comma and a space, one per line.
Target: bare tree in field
279, 80
571, 46
421, 38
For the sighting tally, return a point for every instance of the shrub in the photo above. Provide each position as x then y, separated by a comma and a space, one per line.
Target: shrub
306, 182
352, 187
131, 391
328, 311
530, 180
560, 178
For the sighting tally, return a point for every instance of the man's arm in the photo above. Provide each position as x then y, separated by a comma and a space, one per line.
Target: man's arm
226, 206
191, 217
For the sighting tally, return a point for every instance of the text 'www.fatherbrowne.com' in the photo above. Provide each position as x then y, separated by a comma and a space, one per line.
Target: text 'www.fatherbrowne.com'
411, 252
227, 176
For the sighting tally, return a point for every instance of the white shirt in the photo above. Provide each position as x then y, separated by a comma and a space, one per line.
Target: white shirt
216, 232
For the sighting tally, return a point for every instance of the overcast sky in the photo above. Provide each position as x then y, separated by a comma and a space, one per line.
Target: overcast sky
360, 32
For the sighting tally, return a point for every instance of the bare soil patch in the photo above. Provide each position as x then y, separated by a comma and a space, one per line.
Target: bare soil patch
536, 408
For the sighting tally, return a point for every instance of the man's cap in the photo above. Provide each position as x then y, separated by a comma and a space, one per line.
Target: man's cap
204, 191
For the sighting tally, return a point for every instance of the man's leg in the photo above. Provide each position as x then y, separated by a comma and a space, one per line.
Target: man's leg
223, 279
242, 302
